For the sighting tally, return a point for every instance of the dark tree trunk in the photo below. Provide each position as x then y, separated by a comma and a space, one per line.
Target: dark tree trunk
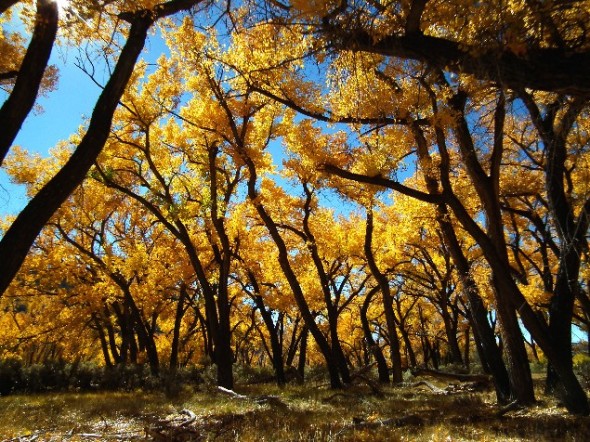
146, 340
337, 352
19, 237
16, 108
223, 352
466, 353
394, 347
302, 354
103, 343
111, 335
490, 353
411, 354
306, 314
451, 333
370, 342
275, 345
294, 343
174, 346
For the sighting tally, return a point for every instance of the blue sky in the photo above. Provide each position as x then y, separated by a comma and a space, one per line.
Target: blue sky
64, 109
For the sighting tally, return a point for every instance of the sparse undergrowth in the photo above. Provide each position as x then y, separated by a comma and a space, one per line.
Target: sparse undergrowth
295, 413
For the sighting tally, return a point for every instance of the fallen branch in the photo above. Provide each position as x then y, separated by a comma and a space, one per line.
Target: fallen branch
428, 385
462, 377
375, 388
231, 393
336, 395
273, 401
264, 399
409, 420
191, 417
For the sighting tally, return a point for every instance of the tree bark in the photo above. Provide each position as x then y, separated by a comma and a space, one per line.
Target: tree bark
395, 355
550, 69
180, 310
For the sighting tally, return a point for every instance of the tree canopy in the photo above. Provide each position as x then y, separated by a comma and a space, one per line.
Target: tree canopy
382, 179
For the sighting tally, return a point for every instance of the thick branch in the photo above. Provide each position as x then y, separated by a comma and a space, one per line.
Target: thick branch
382, 182
546, 69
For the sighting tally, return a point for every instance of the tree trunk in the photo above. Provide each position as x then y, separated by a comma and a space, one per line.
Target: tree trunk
451, 333
176, 331
19, 237
275, 345
103, 343
302, 354
373, 346
466, 353
296, 289
394, 347
490, 355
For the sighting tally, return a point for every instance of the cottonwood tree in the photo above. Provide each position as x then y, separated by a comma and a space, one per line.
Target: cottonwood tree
377, 51
133, 25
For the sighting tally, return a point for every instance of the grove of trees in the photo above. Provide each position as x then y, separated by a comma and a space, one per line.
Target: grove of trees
335, 183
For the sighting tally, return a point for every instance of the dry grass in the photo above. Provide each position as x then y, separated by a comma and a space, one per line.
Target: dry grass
295, 414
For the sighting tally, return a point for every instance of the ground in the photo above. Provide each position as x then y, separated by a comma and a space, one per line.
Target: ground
421, 411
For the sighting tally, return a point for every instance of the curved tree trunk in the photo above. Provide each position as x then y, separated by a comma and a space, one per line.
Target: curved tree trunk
324, 346
22, 233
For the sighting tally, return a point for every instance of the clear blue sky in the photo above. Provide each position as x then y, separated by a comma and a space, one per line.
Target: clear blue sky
63, 111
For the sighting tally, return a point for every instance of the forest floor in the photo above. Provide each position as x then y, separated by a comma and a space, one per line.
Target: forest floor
419, 411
